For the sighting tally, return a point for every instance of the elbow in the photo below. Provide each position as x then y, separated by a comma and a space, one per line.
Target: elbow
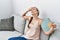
47, 33
23, 16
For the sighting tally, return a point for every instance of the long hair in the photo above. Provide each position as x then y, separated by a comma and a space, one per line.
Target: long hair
32, 17
30, 22
37, 10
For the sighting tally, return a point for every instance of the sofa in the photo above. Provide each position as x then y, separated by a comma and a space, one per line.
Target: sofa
17, 27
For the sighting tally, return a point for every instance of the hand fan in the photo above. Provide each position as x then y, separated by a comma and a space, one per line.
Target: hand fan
46, 24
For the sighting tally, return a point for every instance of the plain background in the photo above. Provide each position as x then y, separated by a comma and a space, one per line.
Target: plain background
5, 8
48, 8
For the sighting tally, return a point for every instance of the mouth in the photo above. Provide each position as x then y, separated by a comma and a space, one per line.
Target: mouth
32, 14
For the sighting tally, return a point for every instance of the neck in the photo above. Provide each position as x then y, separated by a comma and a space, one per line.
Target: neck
35, 17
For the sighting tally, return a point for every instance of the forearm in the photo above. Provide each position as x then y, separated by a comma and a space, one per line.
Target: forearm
50, 31
24, 14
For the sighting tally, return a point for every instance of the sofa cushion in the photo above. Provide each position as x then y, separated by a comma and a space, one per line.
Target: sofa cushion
5, 35
7, 24
44, 36
19, 23
56, 34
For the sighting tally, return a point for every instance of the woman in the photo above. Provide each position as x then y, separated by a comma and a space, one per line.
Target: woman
34, 25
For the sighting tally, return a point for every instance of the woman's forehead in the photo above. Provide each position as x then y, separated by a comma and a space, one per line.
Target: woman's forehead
34, 8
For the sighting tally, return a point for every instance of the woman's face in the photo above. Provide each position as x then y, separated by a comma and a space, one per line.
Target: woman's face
34, 11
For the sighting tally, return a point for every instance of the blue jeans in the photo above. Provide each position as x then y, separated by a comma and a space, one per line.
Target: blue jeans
17, 38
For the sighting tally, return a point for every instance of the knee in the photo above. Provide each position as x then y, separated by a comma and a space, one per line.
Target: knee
11, 39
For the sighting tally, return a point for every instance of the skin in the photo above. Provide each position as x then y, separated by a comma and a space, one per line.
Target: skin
34, 12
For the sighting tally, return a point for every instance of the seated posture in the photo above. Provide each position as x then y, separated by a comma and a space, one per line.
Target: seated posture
34, 25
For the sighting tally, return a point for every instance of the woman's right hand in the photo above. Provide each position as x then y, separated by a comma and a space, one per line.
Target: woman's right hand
29, 9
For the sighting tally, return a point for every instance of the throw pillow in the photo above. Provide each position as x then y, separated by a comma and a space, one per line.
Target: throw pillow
7, 24
19, 24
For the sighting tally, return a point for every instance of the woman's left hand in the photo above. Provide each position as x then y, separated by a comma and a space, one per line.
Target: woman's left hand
53, 25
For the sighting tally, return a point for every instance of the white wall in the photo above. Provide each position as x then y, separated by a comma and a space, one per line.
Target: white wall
48, 8
5, 8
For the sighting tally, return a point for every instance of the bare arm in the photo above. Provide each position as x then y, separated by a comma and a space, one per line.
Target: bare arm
26, 17
51, 28
49, 32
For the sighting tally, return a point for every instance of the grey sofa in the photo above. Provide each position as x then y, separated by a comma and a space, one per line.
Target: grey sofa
19, 25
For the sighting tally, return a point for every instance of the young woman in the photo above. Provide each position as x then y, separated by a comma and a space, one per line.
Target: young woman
34, 25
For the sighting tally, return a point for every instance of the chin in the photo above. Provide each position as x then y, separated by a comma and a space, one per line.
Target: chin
32, 13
